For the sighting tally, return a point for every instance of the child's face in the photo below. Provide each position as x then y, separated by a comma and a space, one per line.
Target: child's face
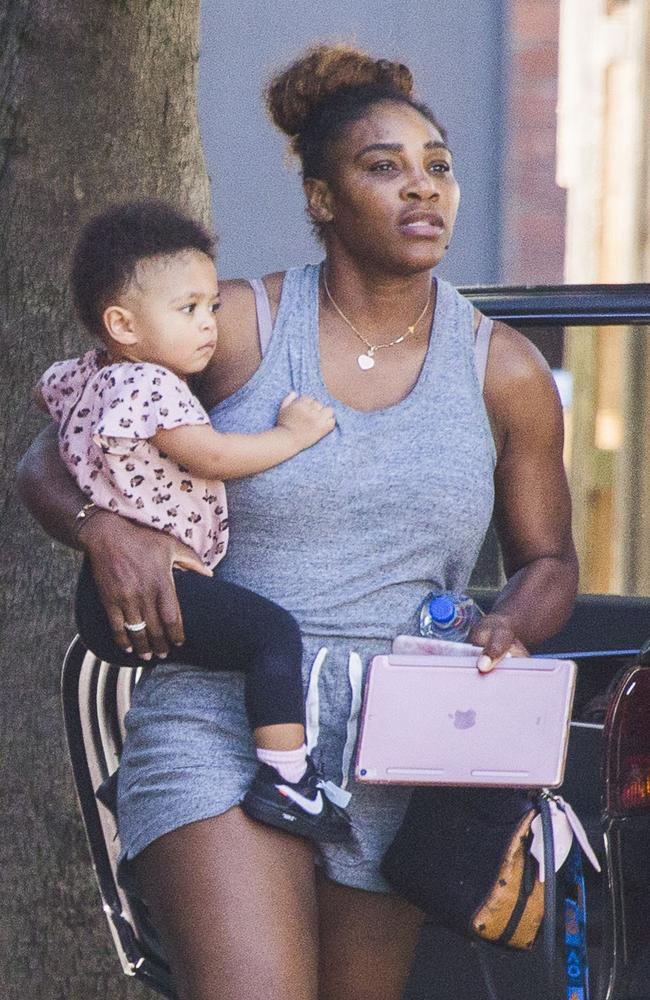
170, 312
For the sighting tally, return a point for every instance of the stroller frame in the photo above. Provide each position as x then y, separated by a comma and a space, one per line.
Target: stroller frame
96, 696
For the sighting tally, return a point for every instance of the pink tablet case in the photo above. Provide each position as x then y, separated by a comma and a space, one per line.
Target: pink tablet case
436, 720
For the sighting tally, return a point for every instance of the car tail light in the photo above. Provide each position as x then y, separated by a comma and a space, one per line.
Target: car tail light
627, 746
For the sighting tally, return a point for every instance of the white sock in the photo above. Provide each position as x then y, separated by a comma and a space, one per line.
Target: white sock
290, 764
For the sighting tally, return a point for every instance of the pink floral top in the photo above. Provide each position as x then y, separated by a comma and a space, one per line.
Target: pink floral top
106, 416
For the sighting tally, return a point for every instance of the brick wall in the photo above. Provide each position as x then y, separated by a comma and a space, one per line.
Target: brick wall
533, 204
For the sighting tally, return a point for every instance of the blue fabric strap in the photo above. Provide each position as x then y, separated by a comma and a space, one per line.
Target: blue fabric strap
575, 928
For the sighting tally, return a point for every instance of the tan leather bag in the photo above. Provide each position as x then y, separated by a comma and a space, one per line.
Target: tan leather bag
513, 911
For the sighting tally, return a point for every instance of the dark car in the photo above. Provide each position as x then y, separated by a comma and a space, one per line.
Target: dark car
608, 765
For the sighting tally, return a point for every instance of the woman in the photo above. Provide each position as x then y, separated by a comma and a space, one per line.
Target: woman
348, 536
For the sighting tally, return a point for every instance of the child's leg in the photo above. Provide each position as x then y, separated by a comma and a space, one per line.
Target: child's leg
226, 628
230, 628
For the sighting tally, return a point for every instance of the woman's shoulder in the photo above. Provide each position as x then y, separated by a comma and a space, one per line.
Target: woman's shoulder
237, 356
513, 359
520, 390
238, 297
237, 316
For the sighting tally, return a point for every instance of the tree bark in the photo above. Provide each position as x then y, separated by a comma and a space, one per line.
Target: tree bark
97, 105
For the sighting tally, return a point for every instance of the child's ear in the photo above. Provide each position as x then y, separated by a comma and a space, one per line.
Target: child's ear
319, 200
118, 323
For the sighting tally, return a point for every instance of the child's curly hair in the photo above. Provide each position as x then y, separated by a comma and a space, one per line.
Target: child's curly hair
111, 245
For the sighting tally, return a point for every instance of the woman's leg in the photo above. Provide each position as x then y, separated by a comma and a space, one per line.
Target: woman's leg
235, 905
240, 916
367, 943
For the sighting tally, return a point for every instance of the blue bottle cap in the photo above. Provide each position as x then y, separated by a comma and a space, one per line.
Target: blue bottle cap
442, 609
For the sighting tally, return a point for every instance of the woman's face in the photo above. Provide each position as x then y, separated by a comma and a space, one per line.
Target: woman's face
391, 196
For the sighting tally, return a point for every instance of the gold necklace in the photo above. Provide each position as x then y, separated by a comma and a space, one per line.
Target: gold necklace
367, 361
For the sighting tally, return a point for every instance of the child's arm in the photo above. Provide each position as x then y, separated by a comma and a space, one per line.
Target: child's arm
301, 422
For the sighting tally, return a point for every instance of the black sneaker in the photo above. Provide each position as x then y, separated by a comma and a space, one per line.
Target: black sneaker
301, 808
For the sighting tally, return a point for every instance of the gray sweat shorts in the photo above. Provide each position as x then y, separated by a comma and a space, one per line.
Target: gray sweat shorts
189, 755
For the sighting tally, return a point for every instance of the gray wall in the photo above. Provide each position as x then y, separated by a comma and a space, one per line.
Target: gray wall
456, 52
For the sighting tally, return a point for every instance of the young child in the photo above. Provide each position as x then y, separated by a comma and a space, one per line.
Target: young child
138, 442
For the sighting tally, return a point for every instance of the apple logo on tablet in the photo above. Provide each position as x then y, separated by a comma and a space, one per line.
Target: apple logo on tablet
464, 720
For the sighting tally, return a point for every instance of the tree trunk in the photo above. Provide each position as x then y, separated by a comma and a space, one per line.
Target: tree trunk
98, 105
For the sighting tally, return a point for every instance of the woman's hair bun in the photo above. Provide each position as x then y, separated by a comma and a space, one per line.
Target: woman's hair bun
293, 94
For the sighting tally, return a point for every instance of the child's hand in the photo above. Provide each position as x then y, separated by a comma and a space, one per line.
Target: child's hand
306, 419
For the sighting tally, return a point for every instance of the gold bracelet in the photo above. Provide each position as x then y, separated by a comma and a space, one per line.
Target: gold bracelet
82, 516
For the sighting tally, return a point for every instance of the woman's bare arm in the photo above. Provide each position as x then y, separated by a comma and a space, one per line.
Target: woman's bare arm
47, 489
532, 503
132, 564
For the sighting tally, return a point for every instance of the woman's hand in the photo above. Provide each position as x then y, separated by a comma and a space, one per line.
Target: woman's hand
132, 566
495, 634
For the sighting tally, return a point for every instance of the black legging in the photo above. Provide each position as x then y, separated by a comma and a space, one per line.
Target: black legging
226, 628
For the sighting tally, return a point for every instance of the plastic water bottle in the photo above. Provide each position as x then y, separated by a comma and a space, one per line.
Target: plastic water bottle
448, 616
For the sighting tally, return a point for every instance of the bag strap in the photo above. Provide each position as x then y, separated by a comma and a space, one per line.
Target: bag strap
550, 899
575, 927
264, 317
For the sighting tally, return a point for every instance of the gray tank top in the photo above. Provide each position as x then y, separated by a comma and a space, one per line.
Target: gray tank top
351, 534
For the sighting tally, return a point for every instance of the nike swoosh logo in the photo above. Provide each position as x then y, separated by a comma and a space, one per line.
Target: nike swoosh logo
312, 806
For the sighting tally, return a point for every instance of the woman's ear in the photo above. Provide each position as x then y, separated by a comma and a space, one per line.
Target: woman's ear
119, 325
319, 200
